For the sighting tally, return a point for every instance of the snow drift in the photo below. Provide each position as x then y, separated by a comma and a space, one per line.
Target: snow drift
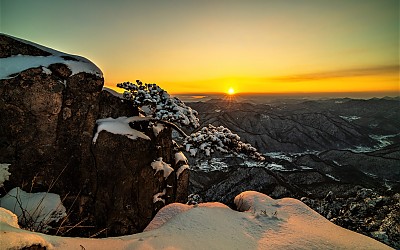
262, 223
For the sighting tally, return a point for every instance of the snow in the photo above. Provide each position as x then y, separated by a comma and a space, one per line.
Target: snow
350, 118
4, 174
8, 217
46, 71
120, 126
212, 139
382, 140
276, 167
193, 151
263, 223
157, 103
254, 164
180, 157
20, 238
157, 128
165, 214
305, 167
371, 175
181, 169
332, 177
157, 197
212, 165
159, 165
34, 210
18, 63
279, 155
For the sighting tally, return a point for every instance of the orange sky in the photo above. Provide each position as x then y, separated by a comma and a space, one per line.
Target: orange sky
259, 46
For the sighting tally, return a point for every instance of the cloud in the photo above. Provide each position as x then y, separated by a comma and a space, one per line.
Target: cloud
355, 72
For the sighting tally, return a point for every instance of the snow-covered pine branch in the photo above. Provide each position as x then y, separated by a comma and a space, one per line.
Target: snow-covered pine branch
211, 139
157, 103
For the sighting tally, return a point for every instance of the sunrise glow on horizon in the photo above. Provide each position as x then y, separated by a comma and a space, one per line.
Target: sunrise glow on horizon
270, 46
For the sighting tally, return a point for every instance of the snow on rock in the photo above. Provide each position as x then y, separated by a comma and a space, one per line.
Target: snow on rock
211, 139
265, 223
18, 63
157, 128
157, 197
120, 126
159, 165
157, 103
4, 174
181, 169
180, 157
34, 210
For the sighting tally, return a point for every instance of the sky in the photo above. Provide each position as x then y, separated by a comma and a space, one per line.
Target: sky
251, 46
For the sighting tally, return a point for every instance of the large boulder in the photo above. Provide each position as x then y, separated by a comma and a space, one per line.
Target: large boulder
49, 105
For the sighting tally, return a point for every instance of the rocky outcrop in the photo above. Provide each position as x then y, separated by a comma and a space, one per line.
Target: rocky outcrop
48, 114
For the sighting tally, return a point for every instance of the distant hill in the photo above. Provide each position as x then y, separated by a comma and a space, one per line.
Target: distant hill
307, 125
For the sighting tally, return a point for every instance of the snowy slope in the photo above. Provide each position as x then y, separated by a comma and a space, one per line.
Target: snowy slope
265, 223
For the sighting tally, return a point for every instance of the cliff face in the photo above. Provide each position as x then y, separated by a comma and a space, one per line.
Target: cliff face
49, 105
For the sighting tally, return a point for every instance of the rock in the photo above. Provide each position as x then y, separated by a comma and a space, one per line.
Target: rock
10, 46
376, 216
113, 106
125, 182
239, 180
34, 247
48, 118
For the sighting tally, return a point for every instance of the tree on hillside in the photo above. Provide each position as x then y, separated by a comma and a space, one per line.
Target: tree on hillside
155, 102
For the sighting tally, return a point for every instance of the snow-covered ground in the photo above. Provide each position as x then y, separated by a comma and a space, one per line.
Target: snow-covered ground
212, 165
262, 223
34, 210
280, 155
350, 118
382, 141
276, 167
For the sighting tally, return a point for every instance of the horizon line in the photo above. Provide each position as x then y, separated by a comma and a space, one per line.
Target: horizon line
396, 93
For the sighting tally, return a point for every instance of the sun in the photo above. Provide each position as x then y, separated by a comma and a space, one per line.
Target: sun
231, 91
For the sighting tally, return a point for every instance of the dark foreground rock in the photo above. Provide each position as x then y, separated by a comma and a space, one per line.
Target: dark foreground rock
48, 118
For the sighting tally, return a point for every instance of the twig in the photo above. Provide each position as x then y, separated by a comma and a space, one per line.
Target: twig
99, 232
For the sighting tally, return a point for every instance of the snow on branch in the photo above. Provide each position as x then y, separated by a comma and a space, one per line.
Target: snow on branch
157, 103
211, 139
